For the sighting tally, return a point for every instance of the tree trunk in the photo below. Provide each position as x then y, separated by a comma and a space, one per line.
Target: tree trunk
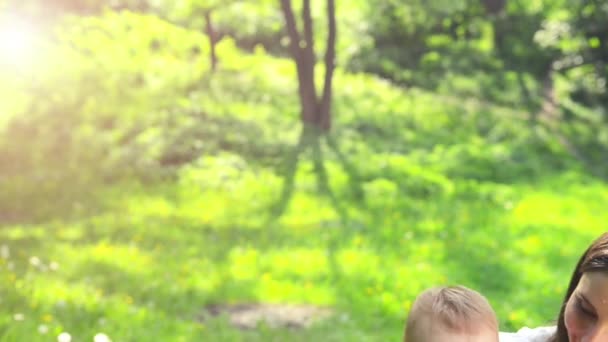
494, 7
330, 56
308, 61
314, 111
549, 108
304, 65
212, 40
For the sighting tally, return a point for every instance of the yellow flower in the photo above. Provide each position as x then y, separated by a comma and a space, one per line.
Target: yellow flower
407, 304
358, 240
513, 316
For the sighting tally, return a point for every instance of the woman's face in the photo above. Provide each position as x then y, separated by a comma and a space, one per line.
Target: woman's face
586, 314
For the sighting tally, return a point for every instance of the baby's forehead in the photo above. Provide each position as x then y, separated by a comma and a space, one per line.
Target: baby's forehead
485, 335
456, 326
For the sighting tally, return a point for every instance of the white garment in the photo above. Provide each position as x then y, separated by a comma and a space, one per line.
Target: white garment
541, 334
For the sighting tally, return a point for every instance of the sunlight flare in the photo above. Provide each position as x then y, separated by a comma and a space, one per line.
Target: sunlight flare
17, 38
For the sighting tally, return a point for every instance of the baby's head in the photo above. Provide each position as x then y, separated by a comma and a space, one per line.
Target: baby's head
451, 314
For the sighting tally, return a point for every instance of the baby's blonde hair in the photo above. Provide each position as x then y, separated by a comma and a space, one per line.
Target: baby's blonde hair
454, 308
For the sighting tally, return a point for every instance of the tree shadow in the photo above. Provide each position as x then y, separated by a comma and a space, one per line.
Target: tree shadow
313, 140
316, 142
208, 134
349, 168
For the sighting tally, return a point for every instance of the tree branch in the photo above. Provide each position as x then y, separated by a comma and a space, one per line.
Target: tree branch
292, 30
308, 34
212, 39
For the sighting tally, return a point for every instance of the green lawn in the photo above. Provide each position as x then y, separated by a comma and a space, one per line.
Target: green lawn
146, 266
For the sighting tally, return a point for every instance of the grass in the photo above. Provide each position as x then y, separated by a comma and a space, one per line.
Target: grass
146, 266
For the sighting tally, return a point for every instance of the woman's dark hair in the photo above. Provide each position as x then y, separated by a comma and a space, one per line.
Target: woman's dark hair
595, 259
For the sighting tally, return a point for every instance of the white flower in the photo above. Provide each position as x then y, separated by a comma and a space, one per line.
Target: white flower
54, 266
101, 337
35, 261
64, 337
18, 317
5, 253
43, 329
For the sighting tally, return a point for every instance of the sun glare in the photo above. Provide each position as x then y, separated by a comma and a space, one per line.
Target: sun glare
16, 40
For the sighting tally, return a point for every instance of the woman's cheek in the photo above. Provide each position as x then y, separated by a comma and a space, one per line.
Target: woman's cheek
576, 324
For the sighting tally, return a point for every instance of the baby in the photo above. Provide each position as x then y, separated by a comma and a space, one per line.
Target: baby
451, 314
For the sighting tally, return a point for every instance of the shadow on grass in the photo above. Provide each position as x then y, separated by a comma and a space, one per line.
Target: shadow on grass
314, 141
311, 139
209, 134
39, 191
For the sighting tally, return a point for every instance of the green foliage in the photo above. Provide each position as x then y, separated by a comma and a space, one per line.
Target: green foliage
126, 70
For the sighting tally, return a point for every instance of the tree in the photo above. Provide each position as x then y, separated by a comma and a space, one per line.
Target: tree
315, 110
248, 23
198, 14
212, 36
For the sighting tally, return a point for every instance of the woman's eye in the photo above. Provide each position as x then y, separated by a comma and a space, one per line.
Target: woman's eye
585, 311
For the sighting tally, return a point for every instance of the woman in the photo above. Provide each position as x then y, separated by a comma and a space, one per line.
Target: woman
584, 313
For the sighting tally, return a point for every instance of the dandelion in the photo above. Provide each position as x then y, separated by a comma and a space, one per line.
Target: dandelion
5, 253
43, 329
101, 337
64, 337
35, 261
18, 317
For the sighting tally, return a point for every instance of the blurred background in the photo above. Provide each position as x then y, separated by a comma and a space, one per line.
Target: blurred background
276, 170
